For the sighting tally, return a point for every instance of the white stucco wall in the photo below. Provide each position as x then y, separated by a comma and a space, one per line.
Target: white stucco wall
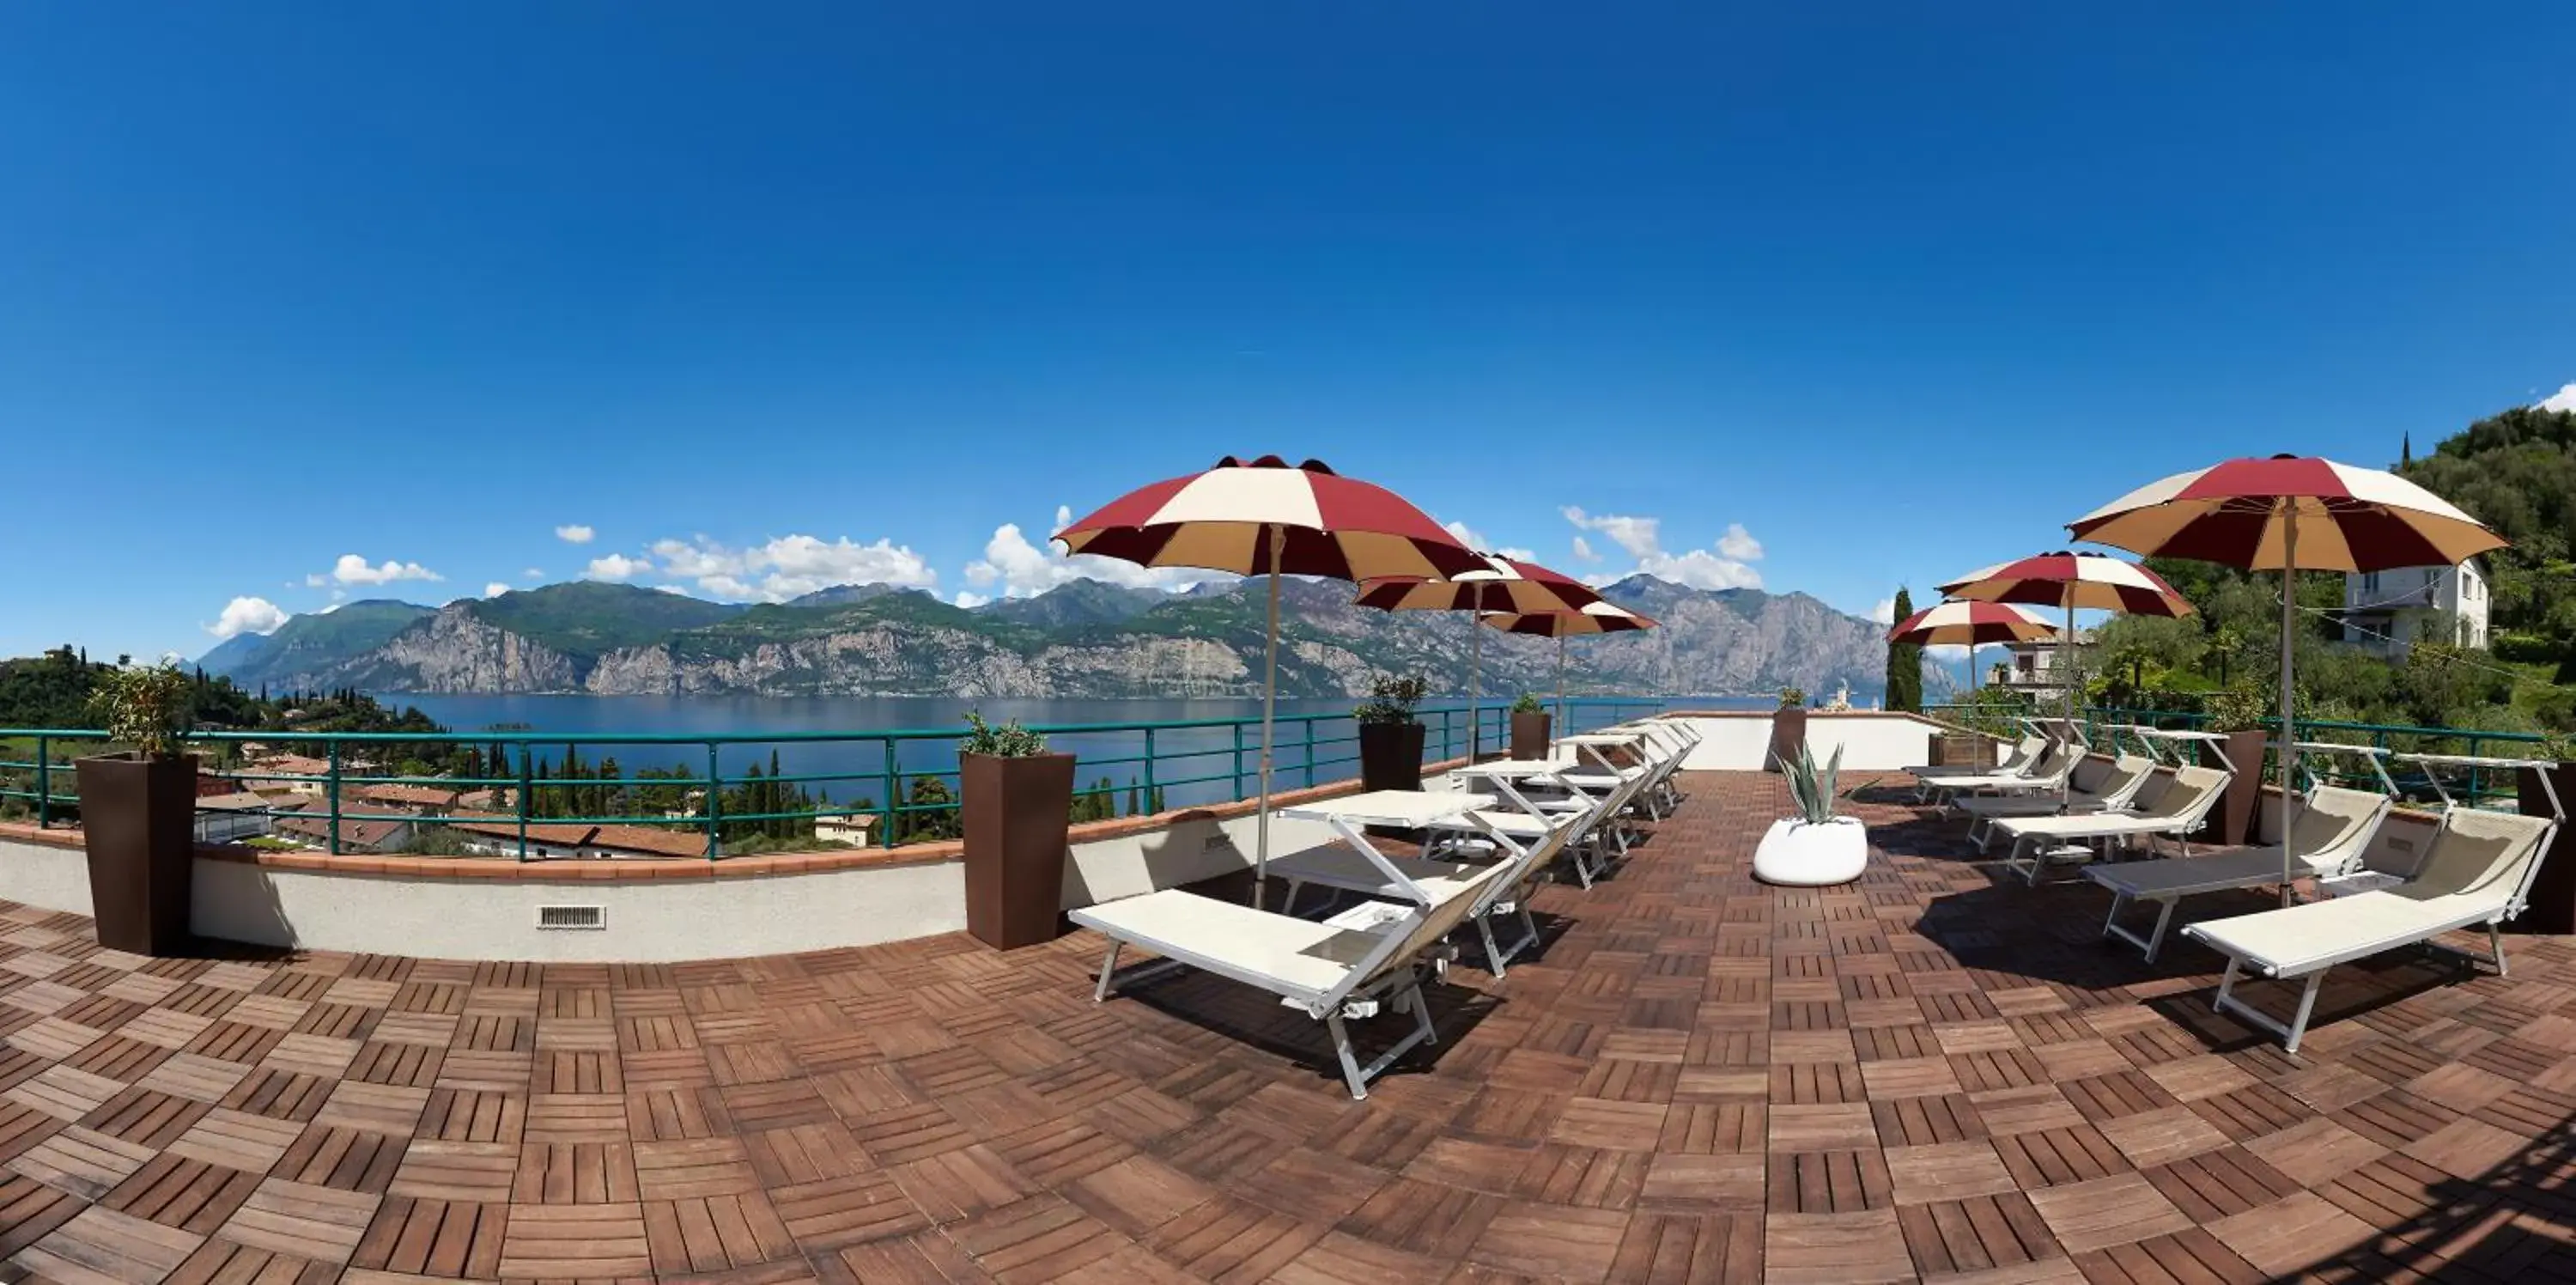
651, 921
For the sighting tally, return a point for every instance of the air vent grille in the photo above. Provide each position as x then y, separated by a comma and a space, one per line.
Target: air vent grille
572, 917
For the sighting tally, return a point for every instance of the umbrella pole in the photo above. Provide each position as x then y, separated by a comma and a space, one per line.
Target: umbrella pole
1476, 677
2066, 659
1563, 728
1269, 711
2289, 736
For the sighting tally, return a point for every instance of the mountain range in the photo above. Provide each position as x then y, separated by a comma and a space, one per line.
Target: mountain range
1083, 638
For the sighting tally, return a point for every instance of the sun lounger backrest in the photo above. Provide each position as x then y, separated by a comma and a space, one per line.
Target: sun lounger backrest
1444, 917
2121, 780
2335, 823
2188, 797
2089, 774
1536, 858
2056, 762
2489, 855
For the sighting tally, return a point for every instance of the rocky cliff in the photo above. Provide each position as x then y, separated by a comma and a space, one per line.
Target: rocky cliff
1207, 642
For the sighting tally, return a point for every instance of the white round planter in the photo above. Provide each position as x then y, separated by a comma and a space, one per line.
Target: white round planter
1806, 855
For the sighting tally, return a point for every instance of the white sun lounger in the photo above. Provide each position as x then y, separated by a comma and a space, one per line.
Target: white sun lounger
2048, 773
2477, 873
1346, 869
2094, 786
1332, 971
2016, 762
2335, 826
2189, 794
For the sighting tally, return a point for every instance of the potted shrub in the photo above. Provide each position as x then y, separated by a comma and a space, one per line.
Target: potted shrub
2238, 711
1019, 799
1788, 730
1815, 847
1390, 737
1533, 728
138, 812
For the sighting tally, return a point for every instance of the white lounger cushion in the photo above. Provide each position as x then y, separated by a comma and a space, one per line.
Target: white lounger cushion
2112, 786
2048, 771
1343, 867
2474, 875
1294, 957
2172, 809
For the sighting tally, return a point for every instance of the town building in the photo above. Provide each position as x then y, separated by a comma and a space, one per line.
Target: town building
2387, 611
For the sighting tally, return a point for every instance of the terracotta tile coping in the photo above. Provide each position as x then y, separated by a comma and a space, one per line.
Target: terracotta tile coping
629, 870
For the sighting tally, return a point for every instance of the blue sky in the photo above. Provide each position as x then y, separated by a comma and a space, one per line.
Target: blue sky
298, 301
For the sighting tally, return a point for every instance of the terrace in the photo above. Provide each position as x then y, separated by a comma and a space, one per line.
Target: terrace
1928, 1074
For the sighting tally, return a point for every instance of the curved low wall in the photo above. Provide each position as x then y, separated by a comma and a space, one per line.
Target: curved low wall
1870, 740
649, 911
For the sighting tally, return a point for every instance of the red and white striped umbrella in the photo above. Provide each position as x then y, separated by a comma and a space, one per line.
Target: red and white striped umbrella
2093, 581
1600, 617
1501, 584
1951, 624
2289, 513
2253, 513
1271, 518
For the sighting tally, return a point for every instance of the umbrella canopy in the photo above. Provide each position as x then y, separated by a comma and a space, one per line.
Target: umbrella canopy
2286, 514
1498, 584
1597, 618
1951, 624
2243, 513
2093, 581
1501, 584
2071, 580
1271, 518
1592, 618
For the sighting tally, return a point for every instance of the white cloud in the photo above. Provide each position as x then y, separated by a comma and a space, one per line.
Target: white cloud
1583, 550
574, 534
671, 589
1729, 567
970, 600
1884, 612
533, 574
316, 580
334, 606
247, 616
2563, 399
1947, 653
791, 565
616, 568
496, 588
1636, 535
1014, 568
1700, 569
1474, 539
353, 569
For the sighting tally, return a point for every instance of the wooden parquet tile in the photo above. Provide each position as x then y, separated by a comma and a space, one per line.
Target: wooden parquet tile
1931, 1074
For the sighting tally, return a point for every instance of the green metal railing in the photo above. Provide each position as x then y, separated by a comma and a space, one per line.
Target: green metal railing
2483, 786
1188, 762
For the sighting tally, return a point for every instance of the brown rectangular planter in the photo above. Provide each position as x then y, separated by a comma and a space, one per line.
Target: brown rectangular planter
1788, 736
2553, 891
1016, 812
1531, 734
138, 823
1391, 756
2234, 820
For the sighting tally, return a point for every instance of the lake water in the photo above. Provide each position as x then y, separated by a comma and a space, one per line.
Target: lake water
1193, 765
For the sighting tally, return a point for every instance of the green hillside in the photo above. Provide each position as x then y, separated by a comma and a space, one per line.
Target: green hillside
584, 619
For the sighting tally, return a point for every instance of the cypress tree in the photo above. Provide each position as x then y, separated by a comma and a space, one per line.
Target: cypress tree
2405, 450
1904, 663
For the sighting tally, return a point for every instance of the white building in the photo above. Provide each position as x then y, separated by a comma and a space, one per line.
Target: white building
2033, 667
2386, 611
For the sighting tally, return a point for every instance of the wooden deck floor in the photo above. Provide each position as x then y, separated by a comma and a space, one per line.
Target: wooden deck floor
1924, 1075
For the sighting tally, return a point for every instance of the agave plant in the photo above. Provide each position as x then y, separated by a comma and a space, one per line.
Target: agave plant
1812, 787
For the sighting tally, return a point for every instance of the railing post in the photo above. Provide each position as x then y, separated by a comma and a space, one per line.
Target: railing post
44, 784
527, 793
889, 779
1238, 760
1147, 802
334, 789
715, 806
1310, 753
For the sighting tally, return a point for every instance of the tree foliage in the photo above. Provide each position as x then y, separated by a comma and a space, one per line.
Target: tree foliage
1904, 662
